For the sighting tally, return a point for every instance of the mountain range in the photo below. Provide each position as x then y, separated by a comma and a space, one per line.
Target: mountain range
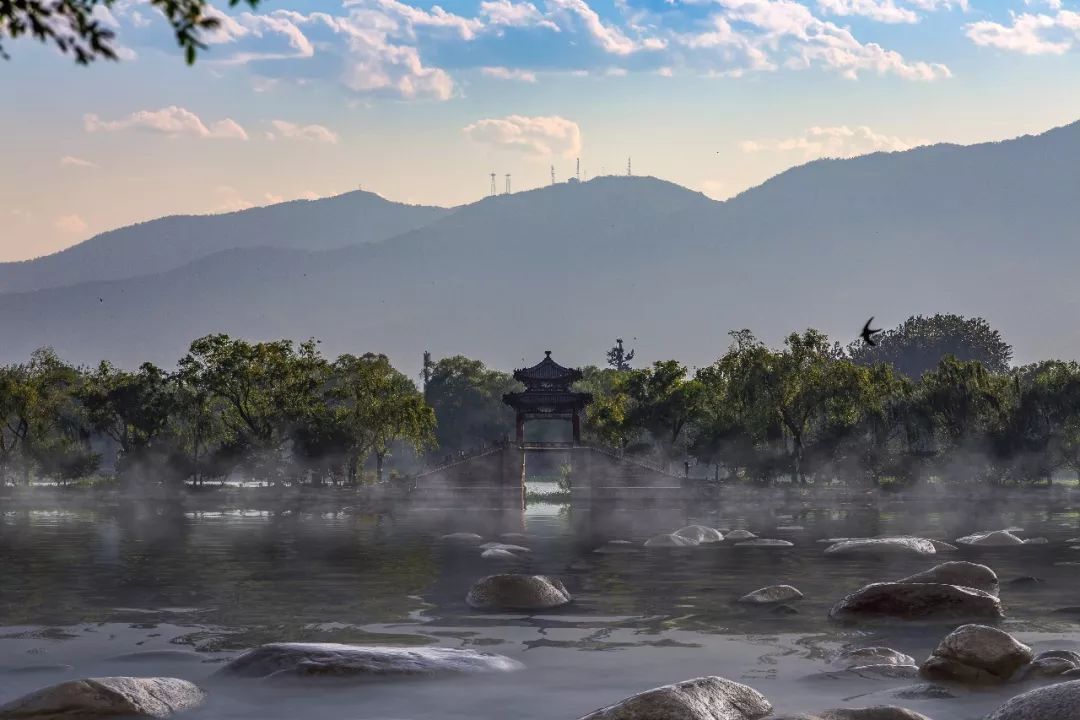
984, 229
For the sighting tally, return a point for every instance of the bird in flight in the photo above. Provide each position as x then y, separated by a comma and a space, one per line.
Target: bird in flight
868, 334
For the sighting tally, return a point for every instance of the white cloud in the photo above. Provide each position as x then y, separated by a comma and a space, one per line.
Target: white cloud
609, 37
837, 141
511, 14
70, 224
467, 28
172, 121
1029, 34
503, 73
260, 37
309, 133
885, 11
540, 135
665, 72
72, 161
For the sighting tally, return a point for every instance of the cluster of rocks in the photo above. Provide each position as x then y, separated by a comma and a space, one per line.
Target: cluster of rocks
693, 535
495, 551
163, 697
947, 591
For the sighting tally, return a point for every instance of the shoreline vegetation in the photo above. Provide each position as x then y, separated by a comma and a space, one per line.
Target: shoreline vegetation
937, 403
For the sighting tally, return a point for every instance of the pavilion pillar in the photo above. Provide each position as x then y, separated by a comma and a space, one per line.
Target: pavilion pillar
520, 427
575, 421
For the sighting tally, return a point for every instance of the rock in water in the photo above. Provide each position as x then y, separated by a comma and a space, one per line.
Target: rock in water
911, 601
943, 547
1055, 702
705, 698
873, 656
994, 538
106, 697
882, 546
508, 548
976, 654
772, 594
957, 573
462, 539
764, 542
517, 592
357, 661
740, 535
669, 541
499, 554
700, 534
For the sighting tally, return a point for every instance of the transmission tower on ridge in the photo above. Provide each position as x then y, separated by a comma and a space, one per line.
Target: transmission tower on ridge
577, 173
492, 185
552, 174
628, 171
507, 191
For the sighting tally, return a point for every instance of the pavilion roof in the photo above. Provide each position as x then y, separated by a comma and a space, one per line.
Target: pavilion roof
547, 371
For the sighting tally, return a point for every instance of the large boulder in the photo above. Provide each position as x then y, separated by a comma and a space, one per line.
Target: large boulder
992, 538
700, 534
106, 697
669, 540
331, 660
517, 592
1054, 702
705, 698
873, 656
976, 654
957, 573
912, 601
881, 546
772, 594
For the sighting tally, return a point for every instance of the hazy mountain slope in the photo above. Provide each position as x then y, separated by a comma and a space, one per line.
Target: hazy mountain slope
170, 242
983, 230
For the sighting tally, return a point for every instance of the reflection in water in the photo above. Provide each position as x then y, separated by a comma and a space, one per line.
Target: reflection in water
82, 585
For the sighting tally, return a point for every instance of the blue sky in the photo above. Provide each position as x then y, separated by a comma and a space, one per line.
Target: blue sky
420, 101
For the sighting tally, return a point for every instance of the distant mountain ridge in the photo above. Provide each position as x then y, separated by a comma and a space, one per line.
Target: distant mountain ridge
986, 230
171, 242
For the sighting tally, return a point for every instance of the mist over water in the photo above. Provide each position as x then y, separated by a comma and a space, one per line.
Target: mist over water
85, 584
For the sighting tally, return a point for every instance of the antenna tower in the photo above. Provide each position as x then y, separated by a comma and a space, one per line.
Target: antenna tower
577, 173
507, 183
552, 174
492, 184
628, 171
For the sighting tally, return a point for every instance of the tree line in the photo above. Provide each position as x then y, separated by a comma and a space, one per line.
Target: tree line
938, 398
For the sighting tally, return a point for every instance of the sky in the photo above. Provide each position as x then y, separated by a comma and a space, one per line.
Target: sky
421, 102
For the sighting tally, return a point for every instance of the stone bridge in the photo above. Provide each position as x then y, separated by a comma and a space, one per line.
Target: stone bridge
495, 476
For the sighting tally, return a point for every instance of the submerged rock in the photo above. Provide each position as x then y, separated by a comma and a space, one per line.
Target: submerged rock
1036, 541
740, 535
617, 547
772, 594
957, 573
992, 538
879, 712
943, 547
705, 698
1026, 580
154, 697
977, 655
462, 538
765, 542
700, 534
873, 656
877, 672
669, 540
499, 554
159, 656
278, 660
1054, 702
882, 546
911, 601
518, 549
517, 592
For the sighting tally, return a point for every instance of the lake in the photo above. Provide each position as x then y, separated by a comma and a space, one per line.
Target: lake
84, 584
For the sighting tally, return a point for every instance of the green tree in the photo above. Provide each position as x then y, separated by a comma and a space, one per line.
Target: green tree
467, 399
76, 26
618, 358
920, 343
662, 401
375, 405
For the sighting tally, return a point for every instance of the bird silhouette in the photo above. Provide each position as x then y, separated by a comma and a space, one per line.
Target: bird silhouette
868, 334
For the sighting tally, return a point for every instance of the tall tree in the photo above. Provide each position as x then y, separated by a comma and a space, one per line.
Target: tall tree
467, 399
920, 343
619, 358
662, 401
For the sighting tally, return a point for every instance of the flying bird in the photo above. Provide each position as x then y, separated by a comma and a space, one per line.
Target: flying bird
868, 334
